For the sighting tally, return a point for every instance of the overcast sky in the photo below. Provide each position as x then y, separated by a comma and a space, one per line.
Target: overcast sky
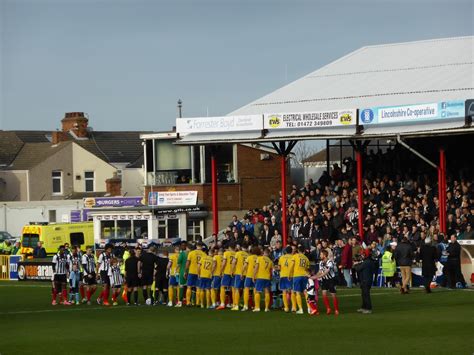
126, 63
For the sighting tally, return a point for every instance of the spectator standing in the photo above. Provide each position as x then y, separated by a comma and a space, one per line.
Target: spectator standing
454, 263
404, 257
39, 252
389, 266
365, 268
346, 261
428, 257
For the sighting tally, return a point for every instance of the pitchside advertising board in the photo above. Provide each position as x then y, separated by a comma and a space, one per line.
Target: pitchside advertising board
335, 118
37, 271
412, 113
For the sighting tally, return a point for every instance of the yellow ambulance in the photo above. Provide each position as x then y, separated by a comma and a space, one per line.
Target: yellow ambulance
56, 234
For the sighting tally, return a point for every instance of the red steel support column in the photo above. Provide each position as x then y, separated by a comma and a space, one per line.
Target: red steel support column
215, 211
360, 195
440, 198
284, 208
442, 161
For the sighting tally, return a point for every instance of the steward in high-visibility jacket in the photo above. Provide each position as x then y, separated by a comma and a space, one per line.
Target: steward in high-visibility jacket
389, 266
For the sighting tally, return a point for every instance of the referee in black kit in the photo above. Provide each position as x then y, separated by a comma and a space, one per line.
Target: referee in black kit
148, 261
132, 269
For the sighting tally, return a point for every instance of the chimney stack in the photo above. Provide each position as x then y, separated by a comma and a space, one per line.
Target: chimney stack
75, 122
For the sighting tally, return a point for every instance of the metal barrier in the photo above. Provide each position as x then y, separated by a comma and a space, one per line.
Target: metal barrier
4, 267
9, 267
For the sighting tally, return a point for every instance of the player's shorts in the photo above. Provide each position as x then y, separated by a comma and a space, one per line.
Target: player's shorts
329, 285
216, 282
192, 280
205, 283
262, 284
132, 281
104, 278
173, 281
299, 283
238, 281
285, 283
147, 280
161, 283
90, 280
248, 283
61, 278
226, 281
117, 287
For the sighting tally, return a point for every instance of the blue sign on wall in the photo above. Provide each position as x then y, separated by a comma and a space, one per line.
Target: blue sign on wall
412, 113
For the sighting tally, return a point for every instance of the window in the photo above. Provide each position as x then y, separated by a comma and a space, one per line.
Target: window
30, 240
193, 229
225, 164
52, 216
89, 181
77, 238
57, 177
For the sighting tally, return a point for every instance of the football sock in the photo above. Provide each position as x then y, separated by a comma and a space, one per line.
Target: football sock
335, 302
165, 296
77, 297
145, 294
293, 301
223, 295
188, 295
135, 295
208, 297
88, 295
124, 295
267, 300
54, 294
257, 300
129, 296
236, 297
180, 294
213, 296
285, 301
299, 301
246, 297
326, 302
81, 290
171, 294
107, 294
64, 294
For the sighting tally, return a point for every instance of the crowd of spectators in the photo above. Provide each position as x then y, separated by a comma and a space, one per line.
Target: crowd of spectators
323, 214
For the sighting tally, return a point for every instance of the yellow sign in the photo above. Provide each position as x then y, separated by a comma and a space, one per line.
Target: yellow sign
274, 121
345, 118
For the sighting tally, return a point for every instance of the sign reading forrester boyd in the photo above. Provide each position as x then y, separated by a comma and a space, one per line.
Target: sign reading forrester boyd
412, 113
218, 124
310, 119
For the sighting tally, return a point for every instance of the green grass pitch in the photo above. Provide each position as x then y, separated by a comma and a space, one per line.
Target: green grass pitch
442, 322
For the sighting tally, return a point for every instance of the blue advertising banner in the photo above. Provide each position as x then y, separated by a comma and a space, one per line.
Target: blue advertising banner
14, 260
93, 202
412, 113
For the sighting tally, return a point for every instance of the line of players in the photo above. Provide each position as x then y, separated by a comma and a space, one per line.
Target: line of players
249, 270
239, 269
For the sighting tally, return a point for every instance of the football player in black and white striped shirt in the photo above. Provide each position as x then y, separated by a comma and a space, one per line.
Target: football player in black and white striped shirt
327, 277
89, 269
104, 266
60, 275
116, 279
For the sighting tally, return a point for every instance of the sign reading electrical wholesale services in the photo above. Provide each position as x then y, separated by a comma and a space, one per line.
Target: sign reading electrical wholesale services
412, 113
310, 119
218, 124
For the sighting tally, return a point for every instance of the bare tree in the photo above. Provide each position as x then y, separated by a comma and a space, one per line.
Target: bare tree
302, 150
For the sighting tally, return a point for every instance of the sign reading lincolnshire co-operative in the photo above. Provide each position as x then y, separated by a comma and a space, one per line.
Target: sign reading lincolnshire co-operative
218, 124
310, 119
412, 113
172, 198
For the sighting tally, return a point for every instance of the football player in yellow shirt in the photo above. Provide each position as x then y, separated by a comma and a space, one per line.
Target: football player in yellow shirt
216, 275
300, 271
284, 265
172, 273
205, 277
237, 270
191, 274
261, 276
226, 268
247, 272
